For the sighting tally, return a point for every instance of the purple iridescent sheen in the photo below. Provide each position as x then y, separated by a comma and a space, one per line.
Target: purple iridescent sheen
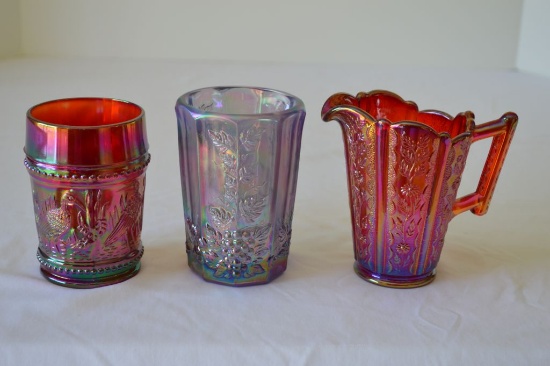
239, 152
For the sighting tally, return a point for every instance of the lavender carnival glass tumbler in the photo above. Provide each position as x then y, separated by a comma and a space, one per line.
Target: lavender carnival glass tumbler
239, 152
87, 158
404, 170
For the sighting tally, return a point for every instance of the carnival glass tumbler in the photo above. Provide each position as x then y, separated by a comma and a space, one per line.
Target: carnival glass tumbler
239, 152
87, 158
404, 170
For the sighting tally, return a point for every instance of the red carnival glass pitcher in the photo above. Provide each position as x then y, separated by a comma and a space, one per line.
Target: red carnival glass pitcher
404, 169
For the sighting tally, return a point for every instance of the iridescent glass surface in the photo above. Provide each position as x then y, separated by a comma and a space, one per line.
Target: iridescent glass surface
239, 154
87, 158
404, 170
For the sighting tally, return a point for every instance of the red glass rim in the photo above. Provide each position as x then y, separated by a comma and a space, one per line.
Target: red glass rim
385, 106
84, 112
87, 132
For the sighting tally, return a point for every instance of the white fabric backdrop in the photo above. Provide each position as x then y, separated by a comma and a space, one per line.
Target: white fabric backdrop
490, 301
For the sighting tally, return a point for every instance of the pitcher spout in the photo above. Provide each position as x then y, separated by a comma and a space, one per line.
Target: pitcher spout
345, 109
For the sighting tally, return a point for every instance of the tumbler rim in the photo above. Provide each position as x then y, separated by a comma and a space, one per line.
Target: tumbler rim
90, 99
92, 132
296, 106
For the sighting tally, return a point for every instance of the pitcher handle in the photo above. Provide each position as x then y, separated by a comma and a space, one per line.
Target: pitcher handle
502, 131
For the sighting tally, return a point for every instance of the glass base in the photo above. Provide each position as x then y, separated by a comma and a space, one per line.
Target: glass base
77, 277
394, 281
227, 278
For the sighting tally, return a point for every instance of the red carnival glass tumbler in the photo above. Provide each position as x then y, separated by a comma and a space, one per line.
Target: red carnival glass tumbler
239, 152
87, 158
404, 169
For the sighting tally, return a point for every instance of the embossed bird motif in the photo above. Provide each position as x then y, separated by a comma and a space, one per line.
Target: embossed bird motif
57, 220
129, 223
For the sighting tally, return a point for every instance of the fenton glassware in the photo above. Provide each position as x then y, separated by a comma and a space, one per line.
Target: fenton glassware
239, 152
87, 158
404, 169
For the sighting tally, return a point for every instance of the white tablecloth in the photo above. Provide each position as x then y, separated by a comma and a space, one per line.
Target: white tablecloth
489, 304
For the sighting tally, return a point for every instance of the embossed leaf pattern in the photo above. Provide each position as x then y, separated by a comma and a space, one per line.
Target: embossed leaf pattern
221, 140
252, 205
242, 252
246, 175
190, 237
260, 235
282, 242
284, 235
221, 271
254, 270
221, 216
212, 235
240, 168
250, 138
229, 161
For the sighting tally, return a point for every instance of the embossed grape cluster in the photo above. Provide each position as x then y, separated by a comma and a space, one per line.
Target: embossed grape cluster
236, 251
